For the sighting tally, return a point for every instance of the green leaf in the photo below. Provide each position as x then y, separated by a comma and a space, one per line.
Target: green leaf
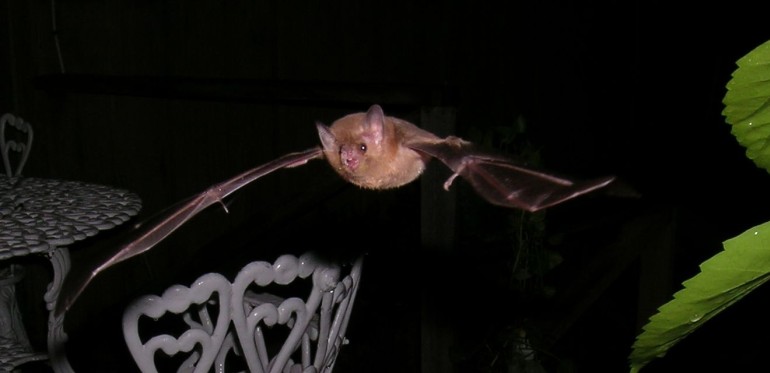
724, 279
747, 104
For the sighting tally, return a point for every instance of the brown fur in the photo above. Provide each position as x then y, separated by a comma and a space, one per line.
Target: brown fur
386, 163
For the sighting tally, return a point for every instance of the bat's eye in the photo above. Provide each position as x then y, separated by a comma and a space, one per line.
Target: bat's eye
362, 147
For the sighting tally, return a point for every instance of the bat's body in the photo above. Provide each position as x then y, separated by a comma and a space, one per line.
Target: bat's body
372, 151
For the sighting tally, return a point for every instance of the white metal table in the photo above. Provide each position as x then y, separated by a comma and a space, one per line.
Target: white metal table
44, 216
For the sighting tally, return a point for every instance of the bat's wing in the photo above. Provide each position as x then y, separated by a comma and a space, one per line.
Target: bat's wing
148, 233
503, 181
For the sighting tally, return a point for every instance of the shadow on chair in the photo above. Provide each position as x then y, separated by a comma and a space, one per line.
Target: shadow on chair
286, 316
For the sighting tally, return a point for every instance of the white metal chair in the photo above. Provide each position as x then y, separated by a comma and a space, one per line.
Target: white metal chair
249, 323
15, 348
8, 144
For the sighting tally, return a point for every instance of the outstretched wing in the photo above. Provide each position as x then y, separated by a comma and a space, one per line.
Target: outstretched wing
502, 181
148, 233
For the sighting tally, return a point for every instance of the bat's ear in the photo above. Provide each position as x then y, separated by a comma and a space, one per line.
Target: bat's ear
328, 140
375, 124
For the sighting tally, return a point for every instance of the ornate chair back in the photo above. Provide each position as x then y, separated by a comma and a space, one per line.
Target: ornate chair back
249, 323
22, 144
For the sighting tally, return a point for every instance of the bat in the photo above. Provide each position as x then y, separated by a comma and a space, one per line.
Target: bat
372, 151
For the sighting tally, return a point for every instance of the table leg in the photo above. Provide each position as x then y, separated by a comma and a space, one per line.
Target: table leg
57, 338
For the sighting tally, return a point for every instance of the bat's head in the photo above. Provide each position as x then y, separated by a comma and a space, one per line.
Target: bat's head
364, 149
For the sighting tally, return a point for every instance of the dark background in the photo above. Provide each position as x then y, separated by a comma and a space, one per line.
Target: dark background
164, 98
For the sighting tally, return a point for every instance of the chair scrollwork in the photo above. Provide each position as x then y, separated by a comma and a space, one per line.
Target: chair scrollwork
289, 315
21, 144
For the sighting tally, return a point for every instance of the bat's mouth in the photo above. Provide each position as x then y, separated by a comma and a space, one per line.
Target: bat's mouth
350, 163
